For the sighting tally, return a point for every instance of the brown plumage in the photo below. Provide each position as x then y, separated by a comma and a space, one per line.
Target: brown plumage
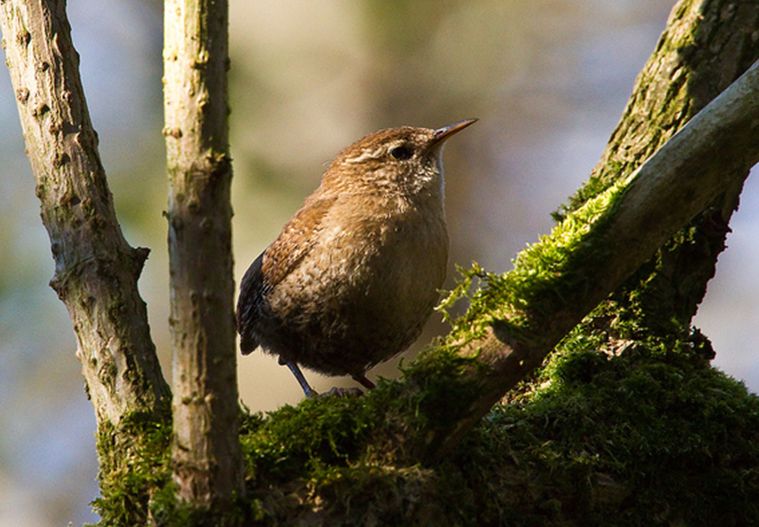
355, 273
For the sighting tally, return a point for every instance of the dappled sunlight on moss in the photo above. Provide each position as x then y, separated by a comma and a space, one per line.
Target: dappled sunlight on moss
645, 432
545, 274
647, 437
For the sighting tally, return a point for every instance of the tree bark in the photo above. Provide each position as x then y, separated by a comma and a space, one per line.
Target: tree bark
206, 452
621, 230
96, 270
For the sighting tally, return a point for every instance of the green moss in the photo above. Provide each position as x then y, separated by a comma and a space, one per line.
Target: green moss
625, 432
134, 463
299, 441
594, 186
166, 511
135, 478
648, 437
545, 275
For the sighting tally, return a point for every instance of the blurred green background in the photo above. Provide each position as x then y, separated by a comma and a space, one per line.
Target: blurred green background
548, 80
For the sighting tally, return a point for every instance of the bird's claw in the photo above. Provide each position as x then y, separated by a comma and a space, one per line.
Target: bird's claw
342, 392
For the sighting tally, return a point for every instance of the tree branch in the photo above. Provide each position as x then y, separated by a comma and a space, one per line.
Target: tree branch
96, 270
571, 271
206, 453
705, 46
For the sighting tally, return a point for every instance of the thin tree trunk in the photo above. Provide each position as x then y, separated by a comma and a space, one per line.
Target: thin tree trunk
96, 270
206, 453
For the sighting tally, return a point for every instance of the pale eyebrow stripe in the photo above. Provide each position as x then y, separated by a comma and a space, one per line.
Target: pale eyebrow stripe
373, 154
366, 154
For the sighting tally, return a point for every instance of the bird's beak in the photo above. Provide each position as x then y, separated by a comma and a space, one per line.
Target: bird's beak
441, 134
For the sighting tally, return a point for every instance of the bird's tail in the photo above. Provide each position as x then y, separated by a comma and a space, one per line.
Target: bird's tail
247, 344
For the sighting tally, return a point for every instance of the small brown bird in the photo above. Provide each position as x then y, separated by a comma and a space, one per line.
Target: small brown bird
355, 273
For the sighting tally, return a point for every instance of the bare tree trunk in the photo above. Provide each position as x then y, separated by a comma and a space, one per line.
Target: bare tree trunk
206, 453
96, 270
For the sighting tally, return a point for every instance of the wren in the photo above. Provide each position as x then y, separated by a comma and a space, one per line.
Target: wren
354, 275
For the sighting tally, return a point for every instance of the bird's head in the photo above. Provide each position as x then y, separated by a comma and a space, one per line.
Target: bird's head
404, 159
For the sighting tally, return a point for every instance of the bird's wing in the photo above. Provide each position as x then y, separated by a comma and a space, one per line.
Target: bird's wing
251, 295
276, 262
297, 239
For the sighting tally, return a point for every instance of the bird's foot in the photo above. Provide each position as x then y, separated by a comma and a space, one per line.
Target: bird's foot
342, 392
310, 392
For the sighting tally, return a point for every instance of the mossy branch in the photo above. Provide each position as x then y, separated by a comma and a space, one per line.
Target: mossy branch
206, 451
520, 316
705, 46
96, 270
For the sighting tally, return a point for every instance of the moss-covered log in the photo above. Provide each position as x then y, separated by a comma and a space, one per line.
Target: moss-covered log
644, 434
519, 317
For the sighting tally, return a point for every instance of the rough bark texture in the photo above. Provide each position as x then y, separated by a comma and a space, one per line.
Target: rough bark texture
96, 270
206, 452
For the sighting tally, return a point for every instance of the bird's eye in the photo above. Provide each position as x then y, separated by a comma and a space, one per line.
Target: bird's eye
401, 152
